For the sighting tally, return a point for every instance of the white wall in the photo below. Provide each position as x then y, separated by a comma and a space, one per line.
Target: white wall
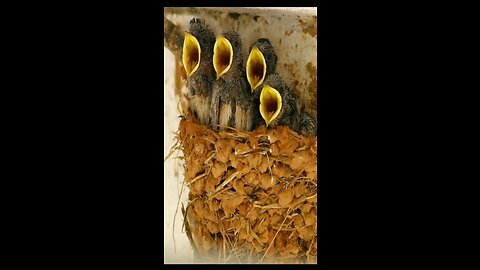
181, 252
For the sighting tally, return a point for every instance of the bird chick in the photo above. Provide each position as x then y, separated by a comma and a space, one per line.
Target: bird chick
277, 102
231, 101
278, 107
198, 63
261, 62
304, 124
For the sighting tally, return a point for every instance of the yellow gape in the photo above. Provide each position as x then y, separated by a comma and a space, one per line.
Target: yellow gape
270, 104
191, 54
256, 68
222, 55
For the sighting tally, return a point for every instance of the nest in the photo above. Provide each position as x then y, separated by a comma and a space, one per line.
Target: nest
253, 195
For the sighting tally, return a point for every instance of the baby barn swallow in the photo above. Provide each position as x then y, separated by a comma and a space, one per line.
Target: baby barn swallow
198, 63
261, 62
277, 102
231, 101
247, 116
278, 107
304, 124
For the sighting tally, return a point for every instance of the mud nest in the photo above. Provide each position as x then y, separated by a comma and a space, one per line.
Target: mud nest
253, 195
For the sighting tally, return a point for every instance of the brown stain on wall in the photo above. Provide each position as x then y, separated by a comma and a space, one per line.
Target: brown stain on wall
305, 91
310, 27
311, 99
312, 71
288, 32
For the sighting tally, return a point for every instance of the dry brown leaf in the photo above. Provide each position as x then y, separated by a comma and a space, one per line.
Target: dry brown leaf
235, 162
223, 150
280, 170
312, 165
266, 181
209, 185
198, 186
254, 159
248, 190
300, 189
300, 160
312, 175
310, 218
218, 169
252, 214
213, 205
213, 227
298, 221
230, 205
245, 207
275, 220
242, 148
239, 186
305, 208
235, 224
192, 171
275, 150
288, 147
209, 215
243, 170
312, 199
264, 236
199, 149
281, 241
249, 177
306, 233
263, 166
272, 135
285, 197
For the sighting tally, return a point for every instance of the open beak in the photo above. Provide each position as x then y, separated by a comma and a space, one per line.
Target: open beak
191, 54
256, 68
222, 56
270, 104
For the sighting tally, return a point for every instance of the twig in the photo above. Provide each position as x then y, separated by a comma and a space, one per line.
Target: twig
209, 158
172, 150
173, 38
269, 246
230, 178
187, 229
196, 178
174, 218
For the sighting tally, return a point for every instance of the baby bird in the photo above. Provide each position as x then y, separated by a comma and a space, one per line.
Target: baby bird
261, 62
231, 100
278, 107
277, 102
198, 63
304, 124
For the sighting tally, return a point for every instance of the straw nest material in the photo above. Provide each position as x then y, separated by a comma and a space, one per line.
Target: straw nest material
253, 195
